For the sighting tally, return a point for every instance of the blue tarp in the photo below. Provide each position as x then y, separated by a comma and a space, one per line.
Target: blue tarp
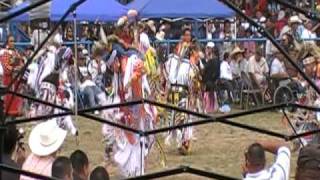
194, 9
91, 10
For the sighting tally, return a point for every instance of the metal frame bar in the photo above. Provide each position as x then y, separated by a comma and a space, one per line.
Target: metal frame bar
182, 170
24, 10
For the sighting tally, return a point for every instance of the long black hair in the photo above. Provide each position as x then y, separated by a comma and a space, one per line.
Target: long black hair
7, 40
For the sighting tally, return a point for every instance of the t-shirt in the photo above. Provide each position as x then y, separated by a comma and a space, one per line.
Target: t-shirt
225, 71
243, 65
37, 164
277, 67
278, 171
307, 34
255, 67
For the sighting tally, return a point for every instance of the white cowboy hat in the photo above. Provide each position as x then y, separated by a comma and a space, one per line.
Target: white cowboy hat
160, 35
281, 15
235, 51
210, 44
295, 19
46, 138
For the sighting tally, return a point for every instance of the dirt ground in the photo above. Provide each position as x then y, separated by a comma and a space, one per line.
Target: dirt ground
217, 148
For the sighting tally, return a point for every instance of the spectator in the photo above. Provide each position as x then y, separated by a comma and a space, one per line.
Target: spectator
62, 169
296, 28
69, 34
185, 42
258, 69
250, 46
226, 77
255, 161
80, 165
281, 21
234, 64
211, 73
227, 35
99, 173
10, 141
243, 62
44, 141
308, 163
85, 33
278, 70
308, 32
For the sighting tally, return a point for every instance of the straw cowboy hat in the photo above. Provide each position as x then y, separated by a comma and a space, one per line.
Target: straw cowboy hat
46, 138
294, 19
235, 51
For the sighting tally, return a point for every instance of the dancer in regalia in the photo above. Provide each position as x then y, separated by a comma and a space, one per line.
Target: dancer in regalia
50, 91
179, 78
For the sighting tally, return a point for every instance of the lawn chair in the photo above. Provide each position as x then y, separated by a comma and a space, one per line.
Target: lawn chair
248, 89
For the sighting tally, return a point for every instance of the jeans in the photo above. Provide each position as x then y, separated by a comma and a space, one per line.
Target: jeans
91, 95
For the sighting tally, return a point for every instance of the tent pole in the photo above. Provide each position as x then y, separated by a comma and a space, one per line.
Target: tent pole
75, 63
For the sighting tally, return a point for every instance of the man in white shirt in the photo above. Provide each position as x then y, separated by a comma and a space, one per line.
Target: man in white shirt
225, 68
226, 78
278, 70
255, 161
258, 69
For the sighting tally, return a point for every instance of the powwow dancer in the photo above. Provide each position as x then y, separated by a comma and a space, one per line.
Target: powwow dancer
179, 72
130, 83
11, 62
50, 91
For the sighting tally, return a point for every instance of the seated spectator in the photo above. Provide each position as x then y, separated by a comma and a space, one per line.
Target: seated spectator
255, 161
308, 164
44, 141
226, 77
258, 69
239, 56
10, 141
62, 169
99, 173
80, 165
281, 21
278, 70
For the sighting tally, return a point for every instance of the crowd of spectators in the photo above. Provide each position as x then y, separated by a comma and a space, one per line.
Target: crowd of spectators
43, 159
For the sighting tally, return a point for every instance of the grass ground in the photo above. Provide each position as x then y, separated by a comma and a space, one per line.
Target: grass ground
218, 148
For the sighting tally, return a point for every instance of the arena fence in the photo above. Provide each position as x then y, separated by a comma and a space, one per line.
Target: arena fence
204, 118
